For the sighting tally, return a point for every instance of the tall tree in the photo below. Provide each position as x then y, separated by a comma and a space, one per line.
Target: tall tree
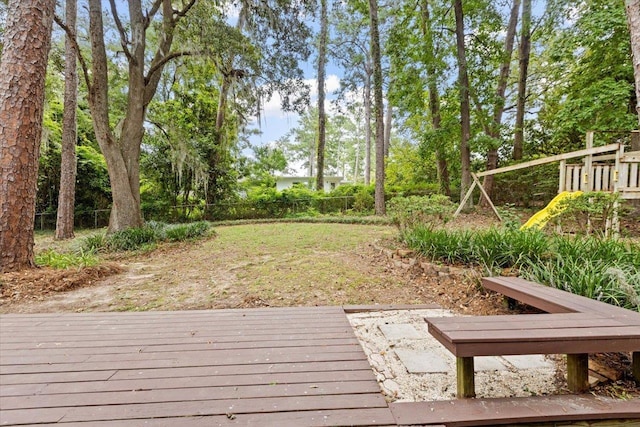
434, 97
352, 49
523, 73
322, 115
633, 19
493, 128
68, 164
465, 113
121, 144
23, 66
376, 56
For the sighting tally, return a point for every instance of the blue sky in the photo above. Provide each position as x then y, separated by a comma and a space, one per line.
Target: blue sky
274, 123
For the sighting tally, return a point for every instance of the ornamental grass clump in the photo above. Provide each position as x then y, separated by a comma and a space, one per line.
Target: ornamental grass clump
451, 247
147, 236
603, 269
606, 270
62, 261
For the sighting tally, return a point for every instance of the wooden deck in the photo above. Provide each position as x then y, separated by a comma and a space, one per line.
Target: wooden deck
287, 366
257, 367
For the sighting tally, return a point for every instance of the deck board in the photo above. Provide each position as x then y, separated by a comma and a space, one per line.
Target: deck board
290, 366
508, 411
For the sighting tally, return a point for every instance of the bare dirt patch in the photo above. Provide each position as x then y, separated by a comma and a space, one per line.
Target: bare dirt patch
28, 286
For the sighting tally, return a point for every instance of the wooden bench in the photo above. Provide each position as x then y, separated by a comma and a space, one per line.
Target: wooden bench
576, 326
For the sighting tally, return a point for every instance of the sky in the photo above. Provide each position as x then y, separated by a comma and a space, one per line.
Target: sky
275, 123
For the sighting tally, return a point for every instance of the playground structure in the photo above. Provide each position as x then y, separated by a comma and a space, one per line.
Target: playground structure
606, 168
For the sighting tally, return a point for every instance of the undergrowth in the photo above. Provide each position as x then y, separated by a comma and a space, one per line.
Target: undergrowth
57, 260
603, 269
145, 237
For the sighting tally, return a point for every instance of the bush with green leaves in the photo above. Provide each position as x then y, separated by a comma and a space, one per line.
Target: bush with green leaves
54, 259
363, 201
590, 212
604, 269
181, 232
412, 211
146, 236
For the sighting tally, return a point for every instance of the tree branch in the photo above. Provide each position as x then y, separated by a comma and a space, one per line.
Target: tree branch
161, 63
124, 40
181, 13
151, 13
72, 38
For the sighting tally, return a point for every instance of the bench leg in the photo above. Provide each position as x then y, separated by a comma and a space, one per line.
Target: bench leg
635, 366
465, 375
578, 372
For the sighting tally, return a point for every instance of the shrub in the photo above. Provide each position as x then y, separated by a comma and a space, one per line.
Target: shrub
450, 247
94, 243
180, 232
408, 212
58, 260
151, 233
363, 201
607, 270
590, 213
130, 239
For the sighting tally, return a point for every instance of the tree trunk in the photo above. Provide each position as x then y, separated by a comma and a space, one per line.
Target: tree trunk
68, 164
633, 19
122, 149
367, 122
465, 113
434, 100
494, 131
525, 51
322, 116
23, 67
376, 57
388, 121
121, 153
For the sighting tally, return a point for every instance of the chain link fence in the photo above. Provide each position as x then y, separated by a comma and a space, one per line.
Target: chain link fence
258, 209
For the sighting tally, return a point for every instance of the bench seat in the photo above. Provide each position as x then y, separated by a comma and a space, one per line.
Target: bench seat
552, 300
575, 326
566, 334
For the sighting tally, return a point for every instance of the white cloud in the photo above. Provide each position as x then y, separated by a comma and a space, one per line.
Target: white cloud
272, 107
331, 84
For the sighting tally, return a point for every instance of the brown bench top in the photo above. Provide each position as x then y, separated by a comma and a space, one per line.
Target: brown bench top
576, 326
491, 335
553, 300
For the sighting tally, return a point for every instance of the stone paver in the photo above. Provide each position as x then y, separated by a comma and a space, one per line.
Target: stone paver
422, 362
400, 331
482, 363
529, 361
489, 363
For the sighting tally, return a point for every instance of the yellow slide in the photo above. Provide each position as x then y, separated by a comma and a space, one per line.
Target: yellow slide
540, 218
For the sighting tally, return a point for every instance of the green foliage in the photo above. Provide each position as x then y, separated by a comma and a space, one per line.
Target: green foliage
408, 212
590, 212
145, 237
607, 270
57, 260
439, 244
529, 187
94, 243
363, 201
590, 86
510, 219
182, 232
130, 239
